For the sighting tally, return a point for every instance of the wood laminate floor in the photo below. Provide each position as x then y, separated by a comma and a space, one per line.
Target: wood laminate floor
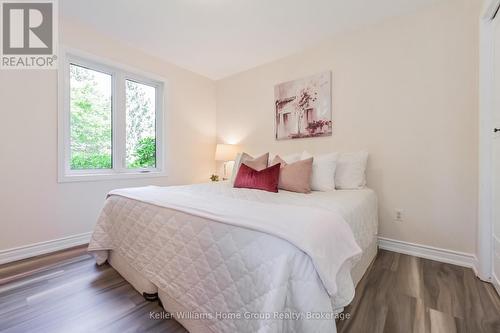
69, 293
76, 295
402, 293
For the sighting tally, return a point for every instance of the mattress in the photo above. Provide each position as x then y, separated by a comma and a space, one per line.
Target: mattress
135, 235
357, 207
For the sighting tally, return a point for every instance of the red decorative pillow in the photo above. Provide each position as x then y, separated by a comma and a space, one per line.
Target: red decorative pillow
266, 179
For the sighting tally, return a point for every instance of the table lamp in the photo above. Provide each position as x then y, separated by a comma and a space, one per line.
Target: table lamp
225, 153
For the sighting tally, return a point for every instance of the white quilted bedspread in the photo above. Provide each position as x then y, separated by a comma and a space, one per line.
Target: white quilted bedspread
230, 264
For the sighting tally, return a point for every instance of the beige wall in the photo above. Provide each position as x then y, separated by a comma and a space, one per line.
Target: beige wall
405, 90
33, 206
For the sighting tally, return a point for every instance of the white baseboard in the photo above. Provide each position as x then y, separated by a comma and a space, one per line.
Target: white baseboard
37, 249
429, 252
417, 250
495, 281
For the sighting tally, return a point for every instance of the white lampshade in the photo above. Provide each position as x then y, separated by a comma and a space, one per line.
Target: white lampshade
225, 152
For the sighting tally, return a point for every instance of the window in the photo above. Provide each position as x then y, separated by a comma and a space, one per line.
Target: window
90, 119
141, 125
110, 121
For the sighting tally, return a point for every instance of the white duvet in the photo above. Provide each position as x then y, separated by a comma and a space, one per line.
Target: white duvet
217, 251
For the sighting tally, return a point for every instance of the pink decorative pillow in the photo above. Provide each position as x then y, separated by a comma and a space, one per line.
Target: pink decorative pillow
295, 177
266, 179
257, 163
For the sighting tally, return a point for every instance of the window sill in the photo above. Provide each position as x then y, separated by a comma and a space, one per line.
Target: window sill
72, 178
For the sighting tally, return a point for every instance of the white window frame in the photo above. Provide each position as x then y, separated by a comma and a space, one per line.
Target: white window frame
119, 73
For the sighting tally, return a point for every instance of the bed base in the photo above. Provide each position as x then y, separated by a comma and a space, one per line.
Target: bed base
140, 283
369, 254
150, 291
170, 305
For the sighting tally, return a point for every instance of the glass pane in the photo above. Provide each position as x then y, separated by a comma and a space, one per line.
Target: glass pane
141, 125
90, 119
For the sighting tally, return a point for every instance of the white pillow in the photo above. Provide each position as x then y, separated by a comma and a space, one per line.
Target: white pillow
323, 171
351, 171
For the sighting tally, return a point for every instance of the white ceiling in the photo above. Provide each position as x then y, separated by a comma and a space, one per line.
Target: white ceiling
218, 38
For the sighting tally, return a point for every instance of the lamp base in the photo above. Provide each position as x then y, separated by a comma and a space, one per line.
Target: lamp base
224, 176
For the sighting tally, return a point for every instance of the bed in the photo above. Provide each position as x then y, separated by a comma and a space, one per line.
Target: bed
218, 270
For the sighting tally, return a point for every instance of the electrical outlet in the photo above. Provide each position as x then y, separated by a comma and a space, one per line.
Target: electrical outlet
398, 215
